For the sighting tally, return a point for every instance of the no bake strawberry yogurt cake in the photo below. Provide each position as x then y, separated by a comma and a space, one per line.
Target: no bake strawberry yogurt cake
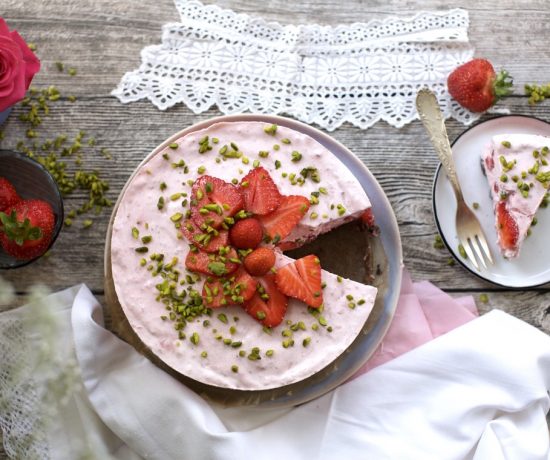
197, 259
518, 172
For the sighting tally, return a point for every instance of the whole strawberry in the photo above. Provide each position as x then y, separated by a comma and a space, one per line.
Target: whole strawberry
8, 195
26, 229
476, 86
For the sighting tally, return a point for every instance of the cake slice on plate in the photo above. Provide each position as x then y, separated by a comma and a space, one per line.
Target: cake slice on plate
518, 171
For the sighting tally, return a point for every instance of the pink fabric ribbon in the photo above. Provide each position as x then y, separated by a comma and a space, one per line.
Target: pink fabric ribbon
423, 313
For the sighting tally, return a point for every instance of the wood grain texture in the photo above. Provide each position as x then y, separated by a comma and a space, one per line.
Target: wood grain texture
103, 39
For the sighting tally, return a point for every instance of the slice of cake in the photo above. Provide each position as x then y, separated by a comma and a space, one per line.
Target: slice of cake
197, 263
518, 171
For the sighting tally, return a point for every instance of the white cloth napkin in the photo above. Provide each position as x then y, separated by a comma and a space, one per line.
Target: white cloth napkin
478, 392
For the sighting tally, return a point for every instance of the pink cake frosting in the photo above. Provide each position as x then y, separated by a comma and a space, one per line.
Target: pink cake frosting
518, 173
221, 338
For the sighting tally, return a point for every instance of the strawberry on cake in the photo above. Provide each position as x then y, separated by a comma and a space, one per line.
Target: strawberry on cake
517, 169
197, 259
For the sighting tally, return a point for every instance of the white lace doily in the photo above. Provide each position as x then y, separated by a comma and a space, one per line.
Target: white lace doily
360, 73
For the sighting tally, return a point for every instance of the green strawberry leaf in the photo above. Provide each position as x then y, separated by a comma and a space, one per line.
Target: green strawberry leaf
18, 231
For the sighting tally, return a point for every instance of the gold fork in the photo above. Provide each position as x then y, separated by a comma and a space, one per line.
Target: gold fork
470, 233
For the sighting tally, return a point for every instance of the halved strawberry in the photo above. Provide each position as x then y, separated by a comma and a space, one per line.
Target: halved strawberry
213, 200
261, 195
212, 264
268, 304
233, 290
279, 224
507, 227
209, 242
301, 279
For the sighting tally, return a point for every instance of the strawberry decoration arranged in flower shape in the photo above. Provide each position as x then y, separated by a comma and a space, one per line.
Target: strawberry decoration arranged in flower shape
214, 202
260, 193
280, 222
208, 242
268, 305
302, 280
225, 218
224, 291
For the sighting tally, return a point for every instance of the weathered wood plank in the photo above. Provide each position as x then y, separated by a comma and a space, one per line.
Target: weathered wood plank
103, 39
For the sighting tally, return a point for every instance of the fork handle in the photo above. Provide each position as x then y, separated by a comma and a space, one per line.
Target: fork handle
432, 118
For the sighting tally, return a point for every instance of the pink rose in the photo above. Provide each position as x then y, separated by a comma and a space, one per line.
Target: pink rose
18, 64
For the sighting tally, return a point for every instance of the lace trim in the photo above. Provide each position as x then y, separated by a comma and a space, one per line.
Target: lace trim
359, 73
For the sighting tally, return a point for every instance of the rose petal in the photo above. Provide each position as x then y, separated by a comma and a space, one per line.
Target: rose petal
17, 93
9, 62
6, 90
4, 30
31, 61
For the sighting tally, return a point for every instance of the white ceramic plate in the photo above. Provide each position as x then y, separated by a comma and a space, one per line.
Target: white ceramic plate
532, 267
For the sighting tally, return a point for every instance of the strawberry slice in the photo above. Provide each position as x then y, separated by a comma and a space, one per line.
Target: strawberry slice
213, 200
212, 264
279, 224
507, 227
268, 304
208, 242
233, 290
261, 195
301, 279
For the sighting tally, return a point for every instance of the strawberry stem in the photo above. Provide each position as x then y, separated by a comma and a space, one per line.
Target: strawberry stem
18, 231
502, 84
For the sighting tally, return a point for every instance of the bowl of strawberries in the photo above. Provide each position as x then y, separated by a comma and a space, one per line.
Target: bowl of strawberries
31, 210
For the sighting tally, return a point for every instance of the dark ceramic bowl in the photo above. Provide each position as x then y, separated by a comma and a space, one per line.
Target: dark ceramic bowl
32, 181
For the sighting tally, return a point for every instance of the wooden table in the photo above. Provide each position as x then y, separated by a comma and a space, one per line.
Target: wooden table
102, 39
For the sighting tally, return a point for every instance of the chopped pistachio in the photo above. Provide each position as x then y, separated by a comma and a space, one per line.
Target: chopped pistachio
462, 251
484, 298
272, 129
438, 243
235, 368
295, 156
222, 317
